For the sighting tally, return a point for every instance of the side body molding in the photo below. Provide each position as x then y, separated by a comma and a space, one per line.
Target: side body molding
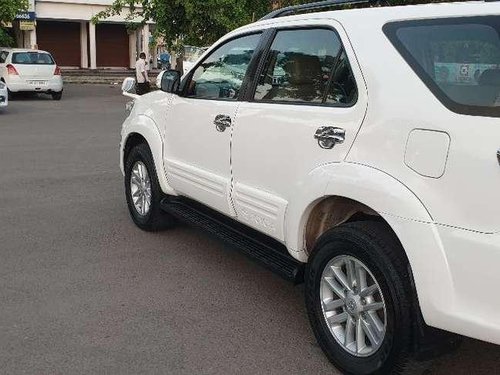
147, 128
399, 207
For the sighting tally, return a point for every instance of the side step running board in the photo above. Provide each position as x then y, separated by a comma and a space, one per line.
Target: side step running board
266, 251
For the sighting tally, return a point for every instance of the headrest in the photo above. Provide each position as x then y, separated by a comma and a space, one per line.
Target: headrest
303, 69
490, 77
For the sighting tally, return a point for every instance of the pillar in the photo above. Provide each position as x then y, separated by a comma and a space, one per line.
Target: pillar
93, 52
84, 53
33, 41
132, 47
145, 40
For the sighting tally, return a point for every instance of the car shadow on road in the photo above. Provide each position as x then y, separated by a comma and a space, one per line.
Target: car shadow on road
26, 96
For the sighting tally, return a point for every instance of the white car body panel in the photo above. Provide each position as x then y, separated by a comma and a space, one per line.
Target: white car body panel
142, 121
268, 143
473, 139
189, 137
447, 223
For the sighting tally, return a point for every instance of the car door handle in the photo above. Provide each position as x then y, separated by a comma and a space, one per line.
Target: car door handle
222, 122
329, 136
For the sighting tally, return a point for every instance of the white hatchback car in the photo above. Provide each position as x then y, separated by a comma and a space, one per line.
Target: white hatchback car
25, 70
355, 150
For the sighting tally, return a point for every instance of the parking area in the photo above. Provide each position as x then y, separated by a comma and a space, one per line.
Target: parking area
82, 290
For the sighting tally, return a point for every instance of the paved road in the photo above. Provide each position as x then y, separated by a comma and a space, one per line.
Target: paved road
82, 291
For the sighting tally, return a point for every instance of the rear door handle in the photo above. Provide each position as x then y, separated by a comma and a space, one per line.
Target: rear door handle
222, 122
329, 136
498, 156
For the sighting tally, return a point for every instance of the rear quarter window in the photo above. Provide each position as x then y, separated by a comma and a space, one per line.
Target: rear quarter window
3, 56
457, 58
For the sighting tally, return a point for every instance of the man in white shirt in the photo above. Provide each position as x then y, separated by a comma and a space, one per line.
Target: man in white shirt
141, 75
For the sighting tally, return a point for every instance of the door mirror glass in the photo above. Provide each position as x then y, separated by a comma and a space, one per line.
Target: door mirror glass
170, 81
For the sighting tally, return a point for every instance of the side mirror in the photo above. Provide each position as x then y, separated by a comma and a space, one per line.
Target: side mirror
170, 81
128, 87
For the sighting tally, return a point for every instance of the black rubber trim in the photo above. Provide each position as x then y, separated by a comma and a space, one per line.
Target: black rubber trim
269, 253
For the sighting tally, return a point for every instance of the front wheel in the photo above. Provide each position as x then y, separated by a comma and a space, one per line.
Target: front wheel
358, 299
143, 191
57, 95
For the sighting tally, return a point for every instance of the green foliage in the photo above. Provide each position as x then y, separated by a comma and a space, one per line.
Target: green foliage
8, 11
199, 22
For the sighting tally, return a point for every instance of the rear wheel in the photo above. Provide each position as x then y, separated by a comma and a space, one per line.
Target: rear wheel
357, 297
143, 191
57, 95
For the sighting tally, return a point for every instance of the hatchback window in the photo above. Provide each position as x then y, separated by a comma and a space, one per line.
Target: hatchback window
458, 59
3, 56
307, 66
221, 74
32, 58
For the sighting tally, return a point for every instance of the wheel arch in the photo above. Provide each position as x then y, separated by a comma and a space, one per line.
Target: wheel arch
142, 129
359, 192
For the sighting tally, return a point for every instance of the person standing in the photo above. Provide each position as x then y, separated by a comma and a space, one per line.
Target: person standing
141, 75
165, 60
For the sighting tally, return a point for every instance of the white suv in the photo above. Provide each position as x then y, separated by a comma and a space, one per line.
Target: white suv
356, 150
26, 70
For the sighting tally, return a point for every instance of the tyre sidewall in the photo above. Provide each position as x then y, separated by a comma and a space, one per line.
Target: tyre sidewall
343, 241
143, 154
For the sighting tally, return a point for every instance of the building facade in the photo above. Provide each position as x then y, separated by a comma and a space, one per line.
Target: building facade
63, 28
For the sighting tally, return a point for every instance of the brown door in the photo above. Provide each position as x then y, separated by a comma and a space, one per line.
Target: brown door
61, 39
112, 45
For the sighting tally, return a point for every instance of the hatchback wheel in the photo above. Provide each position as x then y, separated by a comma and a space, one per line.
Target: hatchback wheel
357, 297
57, 95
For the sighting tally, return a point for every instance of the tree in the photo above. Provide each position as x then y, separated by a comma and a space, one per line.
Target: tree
200, 22
9, 9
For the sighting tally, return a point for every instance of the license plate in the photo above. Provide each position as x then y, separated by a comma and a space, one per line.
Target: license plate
38, 83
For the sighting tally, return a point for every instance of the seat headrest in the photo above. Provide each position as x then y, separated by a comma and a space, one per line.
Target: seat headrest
490, 77
303, 69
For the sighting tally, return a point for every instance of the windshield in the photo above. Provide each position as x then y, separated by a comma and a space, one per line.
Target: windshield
192, 54
32, 58
458, 59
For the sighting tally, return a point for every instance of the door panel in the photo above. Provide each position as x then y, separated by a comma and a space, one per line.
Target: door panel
200, 122
274, 146
197, 155
260, 209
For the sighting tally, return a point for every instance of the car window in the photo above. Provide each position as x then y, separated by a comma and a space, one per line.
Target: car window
307, 66
221, 74
3, 56
458, 59
32, 58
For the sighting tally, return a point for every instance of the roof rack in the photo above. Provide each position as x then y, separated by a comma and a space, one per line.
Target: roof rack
318, 5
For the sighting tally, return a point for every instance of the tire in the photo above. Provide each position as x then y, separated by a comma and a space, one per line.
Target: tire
10, 95
374, 246
154, 219
57, 95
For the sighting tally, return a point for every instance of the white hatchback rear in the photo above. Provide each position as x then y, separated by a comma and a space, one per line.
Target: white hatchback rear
25, 70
